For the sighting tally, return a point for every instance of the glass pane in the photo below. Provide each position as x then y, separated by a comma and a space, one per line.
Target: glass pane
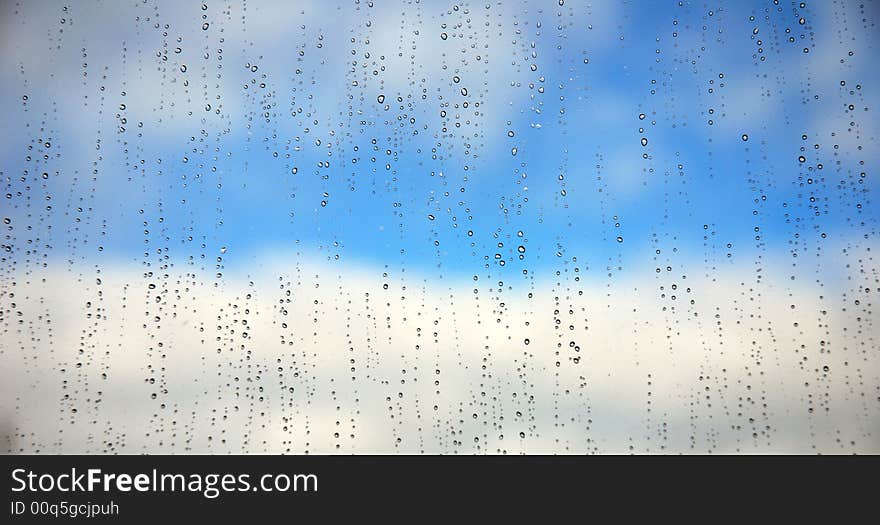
437, 227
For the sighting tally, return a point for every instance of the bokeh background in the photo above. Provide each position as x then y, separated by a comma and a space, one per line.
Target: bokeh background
438, 227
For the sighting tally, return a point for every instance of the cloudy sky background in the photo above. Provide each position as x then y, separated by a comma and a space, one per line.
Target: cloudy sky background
438, 227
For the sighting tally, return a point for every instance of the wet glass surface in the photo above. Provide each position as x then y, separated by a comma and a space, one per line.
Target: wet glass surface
418, 226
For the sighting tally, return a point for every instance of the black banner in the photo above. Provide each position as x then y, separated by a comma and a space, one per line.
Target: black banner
128, 489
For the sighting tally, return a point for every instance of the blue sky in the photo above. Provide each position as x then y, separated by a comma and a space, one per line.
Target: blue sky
570, 82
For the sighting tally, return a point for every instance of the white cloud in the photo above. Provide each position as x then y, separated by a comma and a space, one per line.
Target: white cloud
695, 378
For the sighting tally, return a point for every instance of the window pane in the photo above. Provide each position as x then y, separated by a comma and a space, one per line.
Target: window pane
438, 227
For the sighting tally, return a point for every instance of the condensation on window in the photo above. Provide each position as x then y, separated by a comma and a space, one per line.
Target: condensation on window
438, 227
